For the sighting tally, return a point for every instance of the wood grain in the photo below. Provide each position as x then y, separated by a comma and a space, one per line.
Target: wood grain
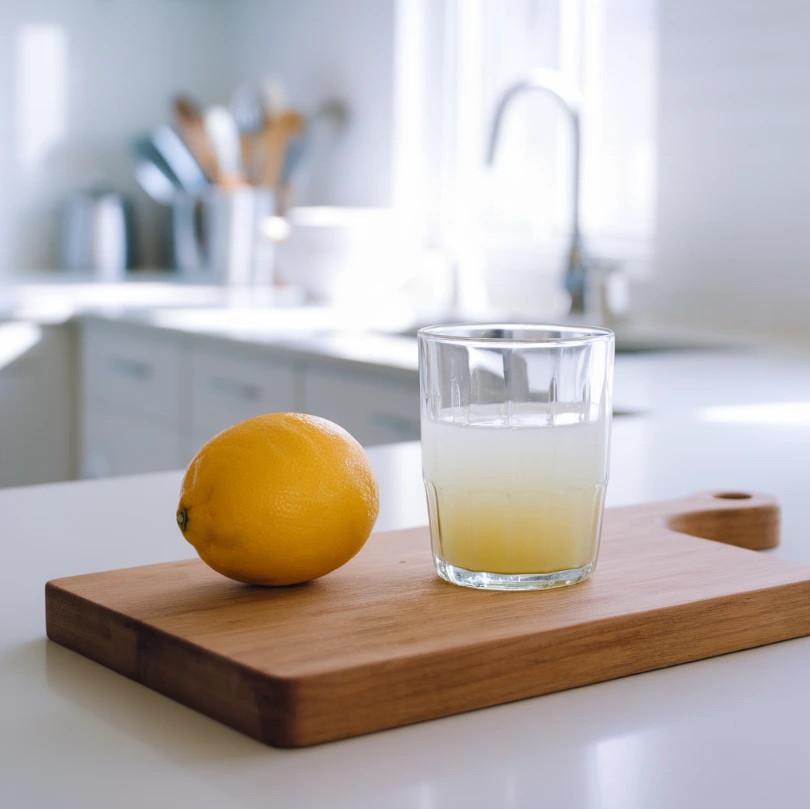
383, 642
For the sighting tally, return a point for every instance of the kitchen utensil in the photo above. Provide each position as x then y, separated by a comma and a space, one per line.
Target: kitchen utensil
97, 234
179, 159
278, 133
247, 110
154, 181
273, 95
295, 154
165, 167
383, 642
190, 124
311, 150
248, 114
218, 237
224, 137
152, 172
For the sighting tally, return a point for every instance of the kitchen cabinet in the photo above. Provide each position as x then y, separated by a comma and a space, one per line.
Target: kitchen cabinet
116, 442
152, 397
132, 383
36, 404
133, 369
374, 406
228, 387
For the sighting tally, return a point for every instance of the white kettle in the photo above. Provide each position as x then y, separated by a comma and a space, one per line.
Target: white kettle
96, 234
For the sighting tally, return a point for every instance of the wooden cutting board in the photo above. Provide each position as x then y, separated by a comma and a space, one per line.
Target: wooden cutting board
383, 642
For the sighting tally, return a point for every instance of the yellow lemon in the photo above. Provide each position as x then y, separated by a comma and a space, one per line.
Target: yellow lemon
279, 499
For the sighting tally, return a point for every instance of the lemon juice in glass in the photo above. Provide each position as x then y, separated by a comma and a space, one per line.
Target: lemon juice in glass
515, 438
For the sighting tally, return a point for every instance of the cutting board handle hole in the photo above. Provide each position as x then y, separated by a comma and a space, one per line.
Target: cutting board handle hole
747, 520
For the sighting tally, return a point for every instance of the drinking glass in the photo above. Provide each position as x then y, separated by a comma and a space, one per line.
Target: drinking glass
515, 438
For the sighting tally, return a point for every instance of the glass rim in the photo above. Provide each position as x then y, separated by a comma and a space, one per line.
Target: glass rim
465, 333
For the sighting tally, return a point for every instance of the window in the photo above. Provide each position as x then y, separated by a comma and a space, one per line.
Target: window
517, 213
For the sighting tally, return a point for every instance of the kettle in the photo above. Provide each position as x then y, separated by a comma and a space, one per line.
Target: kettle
97, 234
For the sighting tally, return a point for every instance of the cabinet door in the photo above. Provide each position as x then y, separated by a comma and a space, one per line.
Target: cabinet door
115, 442
36, 405
227, 388
376, 408
132, 368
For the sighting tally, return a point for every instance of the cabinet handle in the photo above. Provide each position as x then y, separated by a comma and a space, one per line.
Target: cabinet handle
132, 369
398, 424
234, 389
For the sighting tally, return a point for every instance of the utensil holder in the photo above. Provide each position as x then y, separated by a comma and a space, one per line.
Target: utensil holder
217, 239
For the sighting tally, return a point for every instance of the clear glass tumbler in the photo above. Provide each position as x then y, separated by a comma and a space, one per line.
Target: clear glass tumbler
515, 440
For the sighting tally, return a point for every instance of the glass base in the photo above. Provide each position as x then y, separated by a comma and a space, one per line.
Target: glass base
511, 581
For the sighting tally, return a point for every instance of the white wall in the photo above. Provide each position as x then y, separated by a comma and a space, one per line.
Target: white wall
734, 125
330, 48
734, 158
77, 79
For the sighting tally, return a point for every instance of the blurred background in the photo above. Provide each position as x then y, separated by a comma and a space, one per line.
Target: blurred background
212, 208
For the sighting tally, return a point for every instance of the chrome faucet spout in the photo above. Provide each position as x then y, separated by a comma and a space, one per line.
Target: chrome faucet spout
568, 95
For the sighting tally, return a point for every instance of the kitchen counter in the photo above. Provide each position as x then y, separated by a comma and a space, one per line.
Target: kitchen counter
376, 337
645, 381
275, 318
54, 298
114, 379
649, 372
730, 731
383, 335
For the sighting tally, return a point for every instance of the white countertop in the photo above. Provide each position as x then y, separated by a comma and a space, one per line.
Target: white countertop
377, 336
55, 297
730, 731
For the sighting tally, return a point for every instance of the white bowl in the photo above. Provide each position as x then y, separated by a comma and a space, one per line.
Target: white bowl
336, 253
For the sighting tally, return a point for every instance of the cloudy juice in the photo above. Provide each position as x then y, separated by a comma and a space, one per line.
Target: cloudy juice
515, 494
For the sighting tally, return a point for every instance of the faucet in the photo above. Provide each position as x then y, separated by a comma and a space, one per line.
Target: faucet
553, 82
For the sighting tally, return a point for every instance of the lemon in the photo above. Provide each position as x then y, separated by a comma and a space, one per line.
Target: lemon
278, 499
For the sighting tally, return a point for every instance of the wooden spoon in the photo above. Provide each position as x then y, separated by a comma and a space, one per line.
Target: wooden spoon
278, 132
191, 125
